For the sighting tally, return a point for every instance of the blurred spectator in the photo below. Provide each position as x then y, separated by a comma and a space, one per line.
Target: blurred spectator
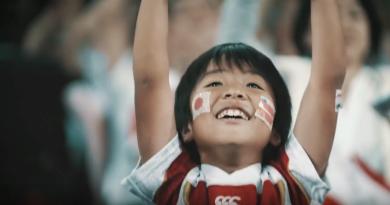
101, 106
35, 165
100, 124
357, 167
15, 18
266, 24
275, 27
192, 30
384, 8
239, 22
45, 34
360, 155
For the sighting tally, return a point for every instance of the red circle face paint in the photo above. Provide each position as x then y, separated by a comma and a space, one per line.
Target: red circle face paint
198, 103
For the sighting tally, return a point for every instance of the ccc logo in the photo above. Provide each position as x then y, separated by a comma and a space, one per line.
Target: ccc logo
227, 200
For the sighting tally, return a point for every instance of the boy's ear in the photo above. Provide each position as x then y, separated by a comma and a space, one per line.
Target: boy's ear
275, 138
187, 133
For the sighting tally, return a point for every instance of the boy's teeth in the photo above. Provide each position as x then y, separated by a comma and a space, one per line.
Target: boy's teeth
232, 113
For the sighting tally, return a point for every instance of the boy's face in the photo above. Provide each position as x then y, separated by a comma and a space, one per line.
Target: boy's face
231, 107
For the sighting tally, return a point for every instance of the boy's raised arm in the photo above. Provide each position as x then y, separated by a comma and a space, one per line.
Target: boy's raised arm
316, 122
154, 100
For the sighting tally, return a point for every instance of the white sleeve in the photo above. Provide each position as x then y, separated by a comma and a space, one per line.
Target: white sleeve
302, 168
144, 180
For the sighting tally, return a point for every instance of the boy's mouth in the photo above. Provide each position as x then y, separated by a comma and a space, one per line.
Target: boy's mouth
232, 113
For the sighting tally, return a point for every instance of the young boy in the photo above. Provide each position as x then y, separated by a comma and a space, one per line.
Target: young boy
225, 139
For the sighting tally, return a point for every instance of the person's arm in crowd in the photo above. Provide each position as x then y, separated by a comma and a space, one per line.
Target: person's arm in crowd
83, 28
40, 30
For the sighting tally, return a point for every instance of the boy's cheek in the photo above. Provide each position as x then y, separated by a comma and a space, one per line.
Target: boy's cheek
200, 104
265, 111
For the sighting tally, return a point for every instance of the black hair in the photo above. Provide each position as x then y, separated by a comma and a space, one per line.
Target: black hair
234, 55
303, 19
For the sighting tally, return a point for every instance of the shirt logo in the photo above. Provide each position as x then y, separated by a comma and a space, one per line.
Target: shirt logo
227, 200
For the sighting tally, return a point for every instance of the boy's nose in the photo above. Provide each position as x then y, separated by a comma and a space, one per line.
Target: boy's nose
234, 94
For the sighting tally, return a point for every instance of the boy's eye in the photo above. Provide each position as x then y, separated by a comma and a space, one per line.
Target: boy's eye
254, 85
214, 84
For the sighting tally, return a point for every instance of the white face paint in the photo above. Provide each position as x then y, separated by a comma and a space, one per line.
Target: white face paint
200, 104
266, 111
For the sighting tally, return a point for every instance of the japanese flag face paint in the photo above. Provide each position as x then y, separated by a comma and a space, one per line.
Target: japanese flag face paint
200, 104
266, 111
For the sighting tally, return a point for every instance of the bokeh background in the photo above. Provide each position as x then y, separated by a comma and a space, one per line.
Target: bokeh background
67, 131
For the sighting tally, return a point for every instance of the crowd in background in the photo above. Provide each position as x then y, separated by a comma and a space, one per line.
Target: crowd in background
68, 127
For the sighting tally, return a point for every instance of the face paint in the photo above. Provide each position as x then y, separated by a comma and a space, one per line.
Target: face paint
266, 111
267, 105
200, 104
